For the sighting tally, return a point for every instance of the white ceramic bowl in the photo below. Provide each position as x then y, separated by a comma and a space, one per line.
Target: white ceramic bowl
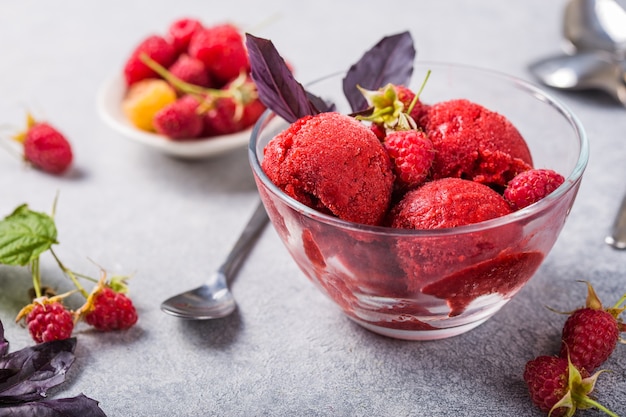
109, 105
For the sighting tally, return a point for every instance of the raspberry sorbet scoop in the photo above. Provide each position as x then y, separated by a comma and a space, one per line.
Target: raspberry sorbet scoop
334, 164
475, 143
448, 202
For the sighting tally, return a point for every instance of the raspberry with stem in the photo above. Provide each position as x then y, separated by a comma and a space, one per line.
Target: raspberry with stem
241, 89
47, 319
107, 309
591, 333
556, 386
387, 110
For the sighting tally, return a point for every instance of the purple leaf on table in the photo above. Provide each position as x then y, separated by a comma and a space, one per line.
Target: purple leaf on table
79, 406
35, 369
4, 344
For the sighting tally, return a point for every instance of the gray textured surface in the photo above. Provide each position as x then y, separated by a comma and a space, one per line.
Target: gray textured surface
287, 351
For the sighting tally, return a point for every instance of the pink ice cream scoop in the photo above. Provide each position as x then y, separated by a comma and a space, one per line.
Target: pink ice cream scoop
334, 164
448, 202
475, 143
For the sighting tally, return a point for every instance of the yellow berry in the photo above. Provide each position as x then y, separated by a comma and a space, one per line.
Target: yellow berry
144, 99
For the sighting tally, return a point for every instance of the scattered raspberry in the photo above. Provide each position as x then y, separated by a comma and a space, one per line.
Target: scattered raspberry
591, 333
180, 120
144, 99
412, 155
110, 310
181, 31
45, 147
47, 320
590, 336
157, 48
222, 50
531, 186
558, 388
191, 70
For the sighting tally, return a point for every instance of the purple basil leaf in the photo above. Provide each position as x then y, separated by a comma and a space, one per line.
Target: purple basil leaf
79, 406
4, 344
389, 61
7, 373
39, 367
277, 87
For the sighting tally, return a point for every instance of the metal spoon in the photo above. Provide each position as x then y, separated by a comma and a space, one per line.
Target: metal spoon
596, 25
213, 299
617, 238
584, 71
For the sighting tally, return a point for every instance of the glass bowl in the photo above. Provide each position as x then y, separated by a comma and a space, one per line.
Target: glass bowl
433, 284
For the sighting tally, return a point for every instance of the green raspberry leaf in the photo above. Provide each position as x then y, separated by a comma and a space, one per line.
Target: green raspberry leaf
24, 235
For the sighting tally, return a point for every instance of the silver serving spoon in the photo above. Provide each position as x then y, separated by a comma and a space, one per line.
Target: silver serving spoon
596, 29
596, 25
213, 299
617, 238
586, 70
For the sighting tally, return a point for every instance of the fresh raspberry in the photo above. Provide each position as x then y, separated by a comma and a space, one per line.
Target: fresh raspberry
157, 48
180, 120
591, 333
223, 118
47, 149
406, 96
551, 380
379, 130
191, 70
144, 99
251, 113
222, 50
589, 336
392, 109
47, 320
220, 120
412, 155
111, 310
181, 31
531, 186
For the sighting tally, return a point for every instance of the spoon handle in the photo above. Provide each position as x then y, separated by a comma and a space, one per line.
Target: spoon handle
617, 238
255, 225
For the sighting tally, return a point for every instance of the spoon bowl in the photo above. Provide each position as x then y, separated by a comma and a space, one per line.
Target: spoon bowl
213, 299
595, 25
584, 71
209, 301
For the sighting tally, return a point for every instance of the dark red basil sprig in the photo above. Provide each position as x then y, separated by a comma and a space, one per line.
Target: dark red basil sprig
278, 89
27, 374
389, 61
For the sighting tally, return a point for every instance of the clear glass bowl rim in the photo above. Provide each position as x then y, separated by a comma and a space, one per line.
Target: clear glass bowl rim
571, 180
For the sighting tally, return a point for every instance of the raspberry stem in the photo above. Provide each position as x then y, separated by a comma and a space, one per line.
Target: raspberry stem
620, 302
239, 90
36, 277
70, 274
417, 96
592, 403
